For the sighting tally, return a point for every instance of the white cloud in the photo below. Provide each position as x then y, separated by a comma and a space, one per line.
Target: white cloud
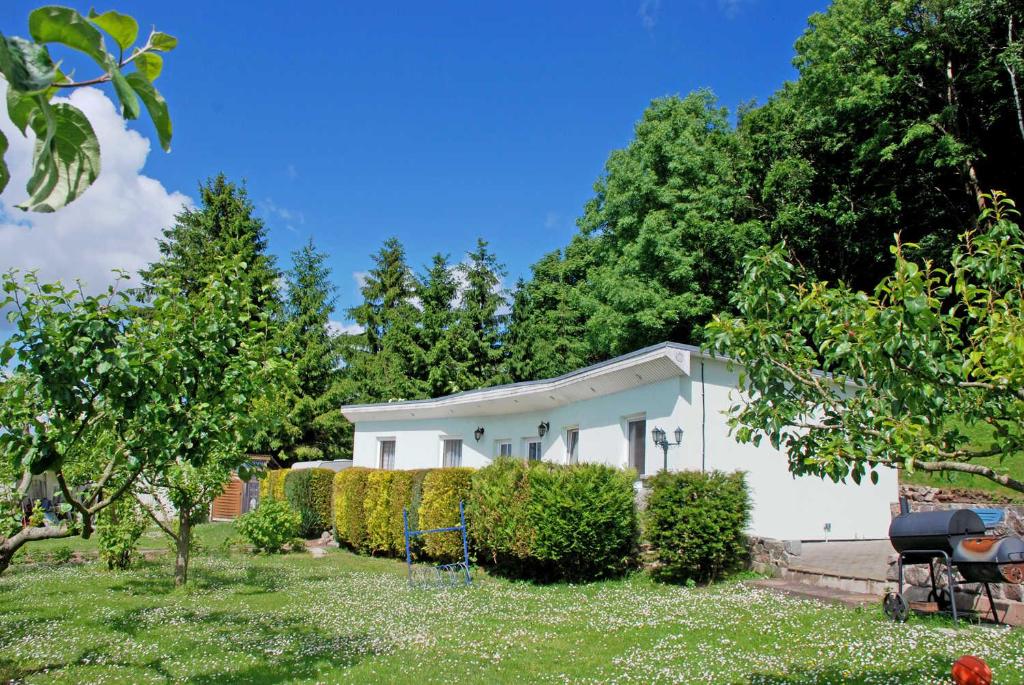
291, 171
648, 13
116, 222
339, 328
289, 216
360, 278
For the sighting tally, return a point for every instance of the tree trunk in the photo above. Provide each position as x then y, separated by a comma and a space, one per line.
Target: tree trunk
183, 544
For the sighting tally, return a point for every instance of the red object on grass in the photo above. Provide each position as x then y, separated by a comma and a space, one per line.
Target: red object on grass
970, 670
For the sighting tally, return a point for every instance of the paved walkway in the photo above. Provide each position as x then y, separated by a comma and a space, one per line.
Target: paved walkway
867, 559
795, 588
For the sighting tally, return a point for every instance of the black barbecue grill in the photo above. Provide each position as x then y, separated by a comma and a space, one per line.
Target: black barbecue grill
959, 538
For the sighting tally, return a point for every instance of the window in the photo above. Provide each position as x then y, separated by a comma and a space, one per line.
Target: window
451, 452
387, 455
533, 450
572, 446
504, 448
636, 433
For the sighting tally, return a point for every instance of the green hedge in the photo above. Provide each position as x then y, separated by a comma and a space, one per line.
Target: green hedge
387, 494
272, 485
554, 522
308, 492
349, 512
695, 523
439, 508
498, 512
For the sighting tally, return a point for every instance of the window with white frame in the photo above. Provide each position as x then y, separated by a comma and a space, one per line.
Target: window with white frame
572, 445
387, 454
503, 448
533, 449
451, 452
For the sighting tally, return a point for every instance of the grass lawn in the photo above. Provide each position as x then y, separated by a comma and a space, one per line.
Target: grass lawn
345, 618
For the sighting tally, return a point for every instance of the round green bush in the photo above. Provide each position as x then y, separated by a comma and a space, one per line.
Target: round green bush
695, 523
270, 526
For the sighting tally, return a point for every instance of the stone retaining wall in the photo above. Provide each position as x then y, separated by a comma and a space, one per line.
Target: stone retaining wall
771, 556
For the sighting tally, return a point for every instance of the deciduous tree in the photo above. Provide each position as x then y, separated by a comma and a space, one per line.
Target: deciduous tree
847, 381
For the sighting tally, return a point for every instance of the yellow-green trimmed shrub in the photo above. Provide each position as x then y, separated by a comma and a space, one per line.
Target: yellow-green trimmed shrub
695, 522
377, 508
349, 511
272, 485
439, 508
308, 491
387, 494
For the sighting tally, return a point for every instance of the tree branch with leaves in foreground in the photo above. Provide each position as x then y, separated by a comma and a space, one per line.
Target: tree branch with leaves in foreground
846, 382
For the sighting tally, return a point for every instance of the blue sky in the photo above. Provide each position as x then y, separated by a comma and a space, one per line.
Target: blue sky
434, 122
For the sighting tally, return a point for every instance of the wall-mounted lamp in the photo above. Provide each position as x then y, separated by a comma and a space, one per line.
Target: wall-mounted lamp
661, 440
478, 433
542, 429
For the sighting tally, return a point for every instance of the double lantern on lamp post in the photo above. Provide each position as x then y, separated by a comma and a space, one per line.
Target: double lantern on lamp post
661, 440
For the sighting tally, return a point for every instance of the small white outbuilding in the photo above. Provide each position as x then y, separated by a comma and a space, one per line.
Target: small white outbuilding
606, 413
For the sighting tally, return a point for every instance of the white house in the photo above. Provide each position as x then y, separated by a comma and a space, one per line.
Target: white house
606, 413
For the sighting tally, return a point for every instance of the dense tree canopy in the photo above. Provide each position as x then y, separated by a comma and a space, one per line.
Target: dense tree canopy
845, 381
902, 114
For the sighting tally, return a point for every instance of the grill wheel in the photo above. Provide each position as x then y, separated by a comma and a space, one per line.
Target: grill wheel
895, 607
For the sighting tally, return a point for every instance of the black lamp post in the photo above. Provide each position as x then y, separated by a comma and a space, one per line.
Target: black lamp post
478, 433
661, 440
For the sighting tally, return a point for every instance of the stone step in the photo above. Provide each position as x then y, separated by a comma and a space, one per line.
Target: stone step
795, 588
873, 587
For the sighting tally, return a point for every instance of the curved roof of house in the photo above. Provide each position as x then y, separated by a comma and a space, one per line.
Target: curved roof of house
642, 367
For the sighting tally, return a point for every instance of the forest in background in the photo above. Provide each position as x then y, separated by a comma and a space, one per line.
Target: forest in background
903, 115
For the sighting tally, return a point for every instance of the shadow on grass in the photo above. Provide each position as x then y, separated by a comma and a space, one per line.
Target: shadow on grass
936, 670
253, 580
283, 649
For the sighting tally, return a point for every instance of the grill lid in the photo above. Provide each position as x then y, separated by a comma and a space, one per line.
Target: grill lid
933, 529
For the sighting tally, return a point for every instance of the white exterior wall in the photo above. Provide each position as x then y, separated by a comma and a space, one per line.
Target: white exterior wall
784, 506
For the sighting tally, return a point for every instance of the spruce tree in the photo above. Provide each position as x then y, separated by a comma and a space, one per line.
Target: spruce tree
382, 360
546, 331
222, 226
440, 346
316, 428
481, 318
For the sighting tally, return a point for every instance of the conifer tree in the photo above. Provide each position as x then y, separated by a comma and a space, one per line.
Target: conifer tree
481, 317
382, 359
316, 430
440, 346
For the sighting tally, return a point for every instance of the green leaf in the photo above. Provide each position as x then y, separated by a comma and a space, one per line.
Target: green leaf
66, 159
121, 27
68, 27
129, 101
26, 65
149, 65
156, 105
162, 42
5, 175
20, 108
